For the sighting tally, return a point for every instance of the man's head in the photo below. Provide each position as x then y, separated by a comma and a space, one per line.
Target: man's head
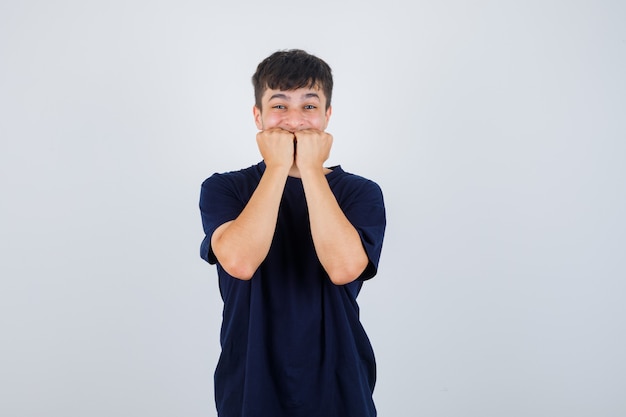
289, 70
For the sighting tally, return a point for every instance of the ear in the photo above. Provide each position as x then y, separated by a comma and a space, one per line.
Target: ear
257, 117
329, 111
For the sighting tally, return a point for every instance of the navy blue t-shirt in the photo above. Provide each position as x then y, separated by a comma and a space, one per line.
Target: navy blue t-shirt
292, 342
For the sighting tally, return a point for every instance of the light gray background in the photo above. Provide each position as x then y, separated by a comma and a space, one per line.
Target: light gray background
496, 130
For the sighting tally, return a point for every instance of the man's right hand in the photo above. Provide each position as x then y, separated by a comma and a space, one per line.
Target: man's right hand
242, 244
277, 147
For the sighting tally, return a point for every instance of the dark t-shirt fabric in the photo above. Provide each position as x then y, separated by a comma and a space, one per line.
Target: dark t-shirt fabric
292, 341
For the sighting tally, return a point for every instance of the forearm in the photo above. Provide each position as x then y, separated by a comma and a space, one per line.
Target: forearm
337, 243
242, 244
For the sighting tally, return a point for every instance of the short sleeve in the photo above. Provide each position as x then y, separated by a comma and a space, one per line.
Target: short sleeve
364, 207
219, 203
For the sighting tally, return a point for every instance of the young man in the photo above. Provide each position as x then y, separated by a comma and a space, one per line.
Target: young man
293, 242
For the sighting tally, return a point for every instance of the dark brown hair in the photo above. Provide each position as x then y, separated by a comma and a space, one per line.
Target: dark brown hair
289, 70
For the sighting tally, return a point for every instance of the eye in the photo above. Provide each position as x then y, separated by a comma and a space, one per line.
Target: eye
310, 107
279, 107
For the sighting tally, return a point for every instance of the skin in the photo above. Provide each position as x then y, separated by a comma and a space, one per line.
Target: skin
293, 142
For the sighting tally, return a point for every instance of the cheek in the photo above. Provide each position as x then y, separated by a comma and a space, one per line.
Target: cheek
319, 121
271, 120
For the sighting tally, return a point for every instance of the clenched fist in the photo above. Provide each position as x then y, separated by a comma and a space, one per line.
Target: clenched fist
277, 147
312, 148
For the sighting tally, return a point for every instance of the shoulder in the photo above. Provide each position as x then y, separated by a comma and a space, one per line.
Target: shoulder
232, 185
344, 181
249, 175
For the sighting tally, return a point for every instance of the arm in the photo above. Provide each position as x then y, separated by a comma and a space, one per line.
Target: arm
337, 243
242, 244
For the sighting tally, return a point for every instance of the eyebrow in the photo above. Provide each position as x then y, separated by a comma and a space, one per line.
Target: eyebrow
283, 96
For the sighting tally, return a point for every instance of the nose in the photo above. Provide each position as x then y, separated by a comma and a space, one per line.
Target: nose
293, 120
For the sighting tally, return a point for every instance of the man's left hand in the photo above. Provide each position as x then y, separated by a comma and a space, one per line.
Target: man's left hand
312, 148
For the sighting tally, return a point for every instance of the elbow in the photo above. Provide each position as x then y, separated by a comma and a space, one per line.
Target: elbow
342, 279
239, 272
235, 264
347, 274
238, 269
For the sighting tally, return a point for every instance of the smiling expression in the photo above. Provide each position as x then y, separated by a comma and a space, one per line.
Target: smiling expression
293, 110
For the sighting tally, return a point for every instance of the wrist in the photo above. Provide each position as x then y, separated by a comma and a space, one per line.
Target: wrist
312, 170
278, 170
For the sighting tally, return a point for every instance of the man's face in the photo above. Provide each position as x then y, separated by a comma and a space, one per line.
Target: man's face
292, 110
